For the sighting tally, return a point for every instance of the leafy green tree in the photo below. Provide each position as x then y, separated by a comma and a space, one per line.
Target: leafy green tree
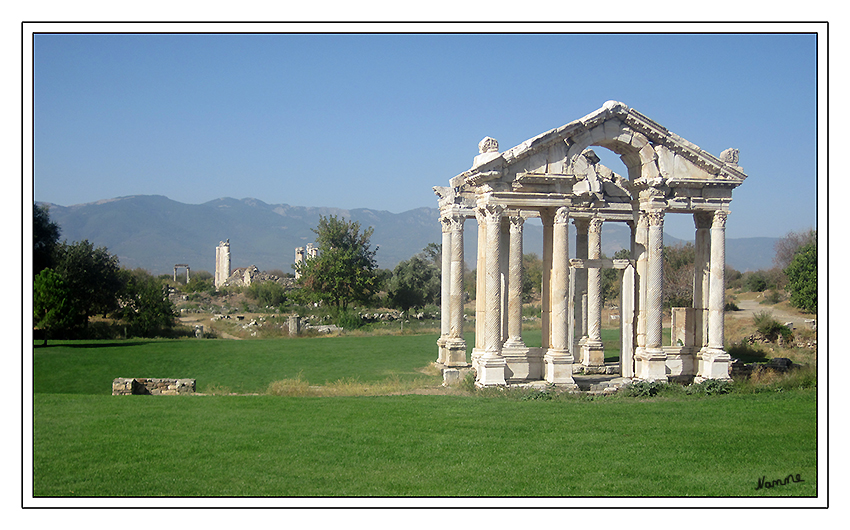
199, 282
269, 293
91, 277
45, 236
51, 312
344, 271
803, 278
678, 290
415, 283
532, 276
145, 306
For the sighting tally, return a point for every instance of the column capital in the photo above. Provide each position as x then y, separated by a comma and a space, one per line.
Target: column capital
703, 219
655, 217
596, 225
516, 223
562, 215
491, 213
719, 220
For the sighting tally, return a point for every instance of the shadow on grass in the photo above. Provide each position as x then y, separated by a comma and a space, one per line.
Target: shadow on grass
87, 345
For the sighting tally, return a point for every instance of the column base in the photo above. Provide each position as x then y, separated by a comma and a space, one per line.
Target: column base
523, 363
592, 353
491, 370
559, 368
651, 365
712, 363
455, 352
441, 350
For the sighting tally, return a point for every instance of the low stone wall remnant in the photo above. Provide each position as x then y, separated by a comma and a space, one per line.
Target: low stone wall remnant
125, 386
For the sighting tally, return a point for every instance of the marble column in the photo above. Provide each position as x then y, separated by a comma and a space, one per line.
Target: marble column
455, 344
491, 365
580, 298
593, 353
702, 275
478, 349
714, 360
558, 359
548, 220
653, 359
515, 284
445, 288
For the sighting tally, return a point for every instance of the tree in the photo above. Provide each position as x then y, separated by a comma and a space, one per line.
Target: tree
415, 283
532, 276
45, 236
91, 277
788, 246
678, 290
803, 278
268, 293
611, 278
50, 304
344, 271
144, 302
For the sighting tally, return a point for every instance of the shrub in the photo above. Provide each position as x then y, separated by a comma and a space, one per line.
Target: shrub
770, 327
773, 297
711, 387
756, 282
644, 388
348, 319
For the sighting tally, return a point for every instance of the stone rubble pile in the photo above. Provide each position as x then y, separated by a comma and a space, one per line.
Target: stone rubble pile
125, 386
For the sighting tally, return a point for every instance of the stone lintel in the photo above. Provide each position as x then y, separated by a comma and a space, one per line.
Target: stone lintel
581, 263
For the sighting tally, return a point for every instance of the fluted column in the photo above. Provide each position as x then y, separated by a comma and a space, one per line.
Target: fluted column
515, 283
579, 300
714, 361
558, 359
545, 291
445, 288
653, 359
478, 349
455, 344
592, 351
702, 276
491, 365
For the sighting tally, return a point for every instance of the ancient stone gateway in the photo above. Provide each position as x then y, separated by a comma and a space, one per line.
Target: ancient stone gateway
556, 177
181, 266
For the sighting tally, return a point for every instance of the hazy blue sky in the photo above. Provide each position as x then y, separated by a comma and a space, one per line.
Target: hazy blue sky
374, 121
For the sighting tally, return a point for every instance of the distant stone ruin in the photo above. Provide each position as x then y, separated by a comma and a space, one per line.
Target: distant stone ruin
302, 254
181, 266
245, 276
222, 263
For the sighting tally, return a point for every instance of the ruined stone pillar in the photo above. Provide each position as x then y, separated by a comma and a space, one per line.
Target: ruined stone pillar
702, 275
478, 349
545, 291
713, 362
515, 284
593, 353
491, 365
579, 304
558, 359
653, 359
455, 343
445, 288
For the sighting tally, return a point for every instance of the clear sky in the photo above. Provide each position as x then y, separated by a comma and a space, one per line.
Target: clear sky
376, 120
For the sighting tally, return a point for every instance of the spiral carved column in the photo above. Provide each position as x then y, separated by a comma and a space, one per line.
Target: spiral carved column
445, 288
558, 359
714, 361
491, 365
653, 358
592, 351
455, 344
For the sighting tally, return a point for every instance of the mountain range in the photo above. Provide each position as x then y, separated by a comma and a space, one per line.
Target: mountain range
154, 232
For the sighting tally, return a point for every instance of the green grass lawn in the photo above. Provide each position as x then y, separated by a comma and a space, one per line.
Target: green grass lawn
89, 443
